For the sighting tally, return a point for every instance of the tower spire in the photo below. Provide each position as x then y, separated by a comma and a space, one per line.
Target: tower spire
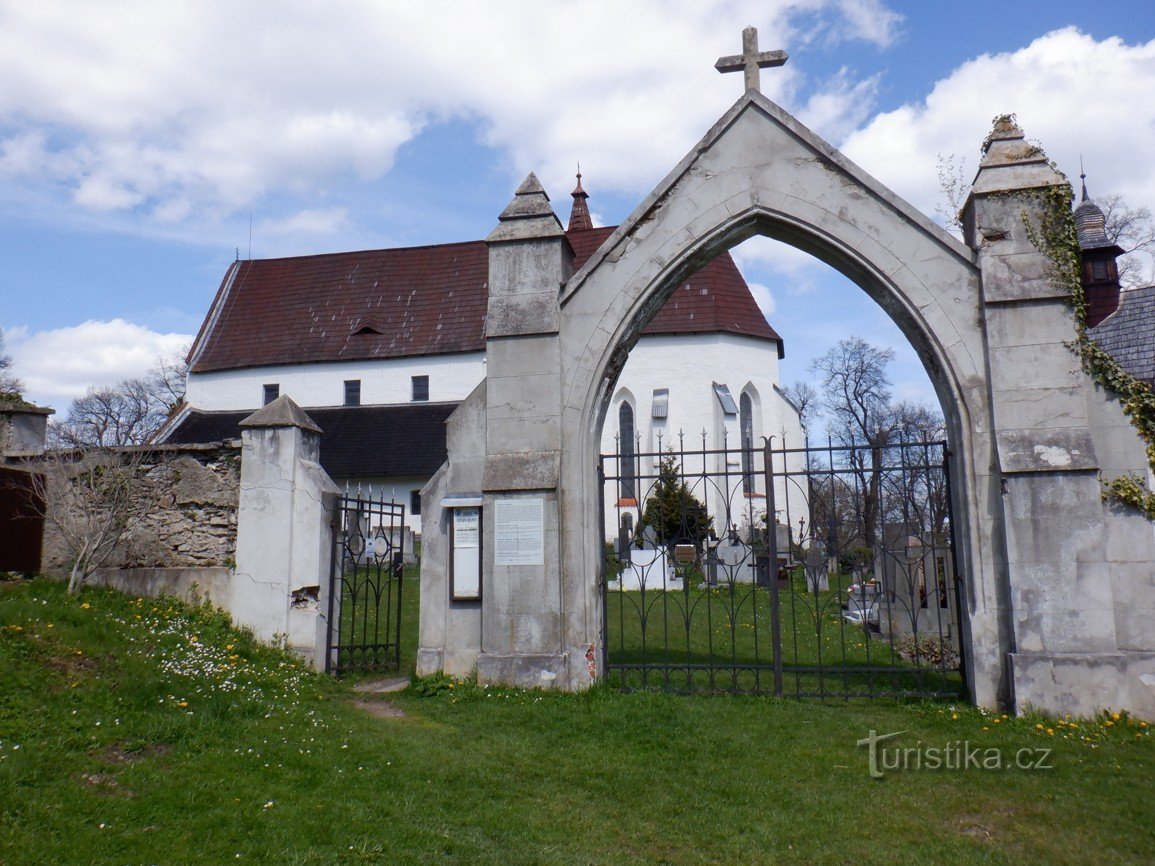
579, 215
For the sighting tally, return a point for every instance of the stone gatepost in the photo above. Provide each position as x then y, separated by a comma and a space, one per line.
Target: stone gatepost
23, 427
521, 616
1059, 541
284, 537
505, 447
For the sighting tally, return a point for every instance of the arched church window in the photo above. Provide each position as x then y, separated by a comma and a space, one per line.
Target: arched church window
746, 423
627, 453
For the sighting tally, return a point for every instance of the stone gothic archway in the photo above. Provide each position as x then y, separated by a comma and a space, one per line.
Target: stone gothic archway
1052, 601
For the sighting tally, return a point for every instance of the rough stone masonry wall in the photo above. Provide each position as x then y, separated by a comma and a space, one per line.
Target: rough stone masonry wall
188, 495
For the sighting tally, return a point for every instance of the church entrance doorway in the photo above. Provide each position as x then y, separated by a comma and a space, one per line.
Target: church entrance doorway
784, 568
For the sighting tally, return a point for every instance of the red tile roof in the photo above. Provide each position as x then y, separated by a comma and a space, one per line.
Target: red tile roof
414, 301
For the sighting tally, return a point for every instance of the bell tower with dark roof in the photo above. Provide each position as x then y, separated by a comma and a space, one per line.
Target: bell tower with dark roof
1100, 269
579, 215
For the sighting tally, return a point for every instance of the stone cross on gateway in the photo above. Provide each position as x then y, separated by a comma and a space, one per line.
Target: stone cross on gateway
751, 60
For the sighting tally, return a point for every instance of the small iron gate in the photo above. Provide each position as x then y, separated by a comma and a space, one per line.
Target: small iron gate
21, 520
365, 585
807, 571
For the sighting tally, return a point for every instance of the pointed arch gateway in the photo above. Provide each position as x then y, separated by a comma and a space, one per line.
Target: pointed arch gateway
1058, 587
759, 171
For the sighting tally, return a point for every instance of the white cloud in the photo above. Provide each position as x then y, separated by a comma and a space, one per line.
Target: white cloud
195, 109
1072, 94
840, 105
870, 21
59, 365
319, 221
764, 297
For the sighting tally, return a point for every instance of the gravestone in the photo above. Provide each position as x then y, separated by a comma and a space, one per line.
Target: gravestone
817, 568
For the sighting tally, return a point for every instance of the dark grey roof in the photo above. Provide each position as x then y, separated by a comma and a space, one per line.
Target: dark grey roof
356, 442
1129, 333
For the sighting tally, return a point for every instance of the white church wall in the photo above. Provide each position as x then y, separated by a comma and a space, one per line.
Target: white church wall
688, 366
383, 382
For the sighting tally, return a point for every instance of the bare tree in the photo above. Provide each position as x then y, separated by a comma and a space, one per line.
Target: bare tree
129, 413
954, 186
869, 428
92, 499
856, 394
805, 399
167, 380
11, 388
916, 493
1133, 229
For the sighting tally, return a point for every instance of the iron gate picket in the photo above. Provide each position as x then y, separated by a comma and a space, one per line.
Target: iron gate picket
365, 585
848, 589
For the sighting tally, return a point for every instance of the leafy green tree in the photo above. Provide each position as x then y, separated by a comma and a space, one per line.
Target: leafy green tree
672, 510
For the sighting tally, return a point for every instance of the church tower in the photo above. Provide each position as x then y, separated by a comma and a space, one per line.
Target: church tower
1100, 270
579, 215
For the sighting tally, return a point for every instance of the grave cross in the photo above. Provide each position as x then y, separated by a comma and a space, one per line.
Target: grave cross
751, 59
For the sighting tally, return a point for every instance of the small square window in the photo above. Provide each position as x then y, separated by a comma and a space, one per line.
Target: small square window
352, 392
272, 392
415, 502
420, 389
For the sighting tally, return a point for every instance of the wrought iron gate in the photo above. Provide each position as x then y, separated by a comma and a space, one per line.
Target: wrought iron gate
365, 585
804, 571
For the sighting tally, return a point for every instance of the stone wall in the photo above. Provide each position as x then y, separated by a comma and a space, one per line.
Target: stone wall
189, 495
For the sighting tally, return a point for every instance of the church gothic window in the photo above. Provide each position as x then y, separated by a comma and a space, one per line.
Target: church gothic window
627, 453
746, 423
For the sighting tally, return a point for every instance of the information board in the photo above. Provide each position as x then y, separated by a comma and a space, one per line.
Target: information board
519, 532
465, 583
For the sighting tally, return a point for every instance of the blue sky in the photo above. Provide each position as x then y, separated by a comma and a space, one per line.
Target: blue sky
138, 140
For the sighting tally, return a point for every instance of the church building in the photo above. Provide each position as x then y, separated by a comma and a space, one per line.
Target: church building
380, 346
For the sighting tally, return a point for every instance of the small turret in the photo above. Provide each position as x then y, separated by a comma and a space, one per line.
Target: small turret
1100, 268
579, 215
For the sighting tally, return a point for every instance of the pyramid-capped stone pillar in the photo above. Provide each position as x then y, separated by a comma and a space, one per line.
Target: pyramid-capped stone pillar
284, 537
1059, 607
529, 260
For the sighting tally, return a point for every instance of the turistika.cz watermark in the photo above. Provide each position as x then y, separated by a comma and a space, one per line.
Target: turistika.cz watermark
957, 755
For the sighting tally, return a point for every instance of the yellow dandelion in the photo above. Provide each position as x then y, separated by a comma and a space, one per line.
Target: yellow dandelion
1039, 726
1115, 716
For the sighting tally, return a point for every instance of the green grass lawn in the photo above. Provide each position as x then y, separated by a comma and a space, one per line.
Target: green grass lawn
701, 638
144, 731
